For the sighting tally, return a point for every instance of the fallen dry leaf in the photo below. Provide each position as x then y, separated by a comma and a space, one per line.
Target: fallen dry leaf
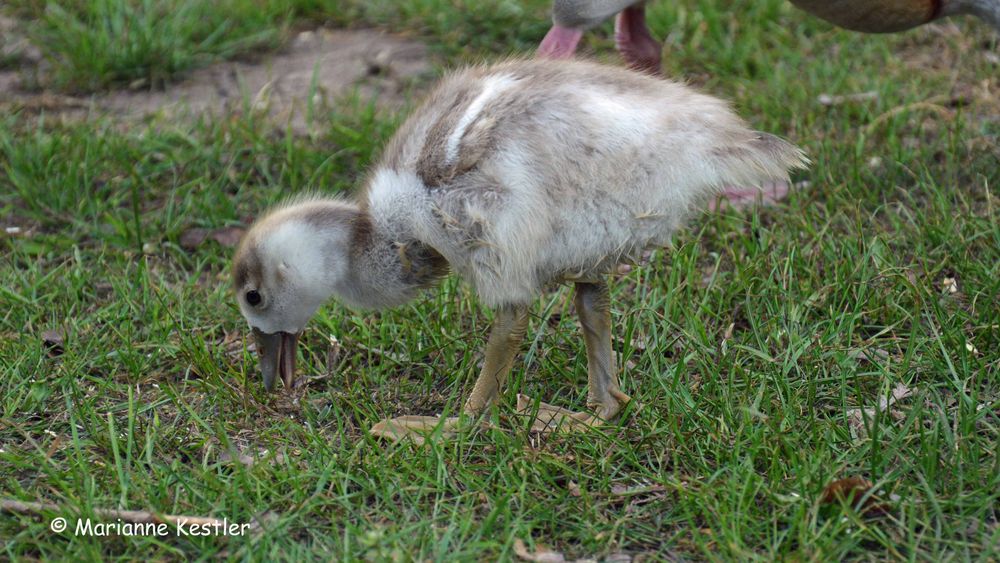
950, 285
831, 100
332, 354
574, 489
855, 491
247, 457
232, 344
856, 421
638, 495
53, 341
226, 236
56, 444
192, 238
845, 489
870, 355
899, 392
137, 516
623, 491
856, 417
242, 458
541, 553
263, 519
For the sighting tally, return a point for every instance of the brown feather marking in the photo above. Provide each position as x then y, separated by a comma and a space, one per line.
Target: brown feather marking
247, 268
431, 167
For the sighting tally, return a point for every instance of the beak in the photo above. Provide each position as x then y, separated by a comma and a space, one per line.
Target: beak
276, 353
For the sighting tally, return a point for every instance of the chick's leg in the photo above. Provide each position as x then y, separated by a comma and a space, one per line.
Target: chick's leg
501, 349
593, 305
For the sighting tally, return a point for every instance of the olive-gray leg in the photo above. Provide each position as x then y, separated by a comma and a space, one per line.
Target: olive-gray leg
593, 305
504, 342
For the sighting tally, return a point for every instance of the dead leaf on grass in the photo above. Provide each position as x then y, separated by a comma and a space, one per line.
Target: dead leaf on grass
137, 516
226, 236
854, 491
53, 341
623, 491
856, 417
232, 344
192, 238
870, 355
845, 489
574, 489
637, 496
899, 392
264, 519
54, 447
332, 354
836, 100
541, 553
242, 458
248, 458
949, 285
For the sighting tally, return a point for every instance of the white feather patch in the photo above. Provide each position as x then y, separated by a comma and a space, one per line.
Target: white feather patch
621, 121
492, 87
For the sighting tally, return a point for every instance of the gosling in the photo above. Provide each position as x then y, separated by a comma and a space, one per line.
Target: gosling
515, 176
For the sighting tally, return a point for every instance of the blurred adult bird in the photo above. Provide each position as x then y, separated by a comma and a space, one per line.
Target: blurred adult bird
897, 15
571, 18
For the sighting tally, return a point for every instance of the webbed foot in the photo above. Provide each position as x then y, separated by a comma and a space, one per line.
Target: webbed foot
551, 418
417, 428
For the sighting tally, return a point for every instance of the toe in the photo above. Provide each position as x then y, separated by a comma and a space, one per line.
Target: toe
550, 418
414, 428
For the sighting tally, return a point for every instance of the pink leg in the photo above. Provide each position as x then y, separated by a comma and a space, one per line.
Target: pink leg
559, 43
634, 42
739, 197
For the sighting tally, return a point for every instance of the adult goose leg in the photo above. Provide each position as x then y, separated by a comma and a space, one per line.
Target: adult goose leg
593, 305
501, 349
635, 43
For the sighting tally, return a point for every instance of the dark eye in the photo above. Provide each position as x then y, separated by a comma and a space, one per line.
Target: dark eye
253, 298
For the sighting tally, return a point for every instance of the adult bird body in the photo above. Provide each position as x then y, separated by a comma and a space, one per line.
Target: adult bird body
897, 15
516, 176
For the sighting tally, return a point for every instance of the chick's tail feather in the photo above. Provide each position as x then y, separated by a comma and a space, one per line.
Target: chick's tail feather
759, 159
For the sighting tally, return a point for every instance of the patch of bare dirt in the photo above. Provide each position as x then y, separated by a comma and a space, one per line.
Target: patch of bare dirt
325, 63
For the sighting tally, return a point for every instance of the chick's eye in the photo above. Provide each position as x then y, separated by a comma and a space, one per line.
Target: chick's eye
253, 297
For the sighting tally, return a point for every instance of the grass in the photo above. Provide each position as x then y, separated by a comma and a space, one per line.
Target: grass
747, 344
146, 43
94, 46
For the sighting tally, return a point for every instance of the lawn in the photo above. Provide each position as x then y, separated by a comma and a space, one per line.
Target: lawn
845, 339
